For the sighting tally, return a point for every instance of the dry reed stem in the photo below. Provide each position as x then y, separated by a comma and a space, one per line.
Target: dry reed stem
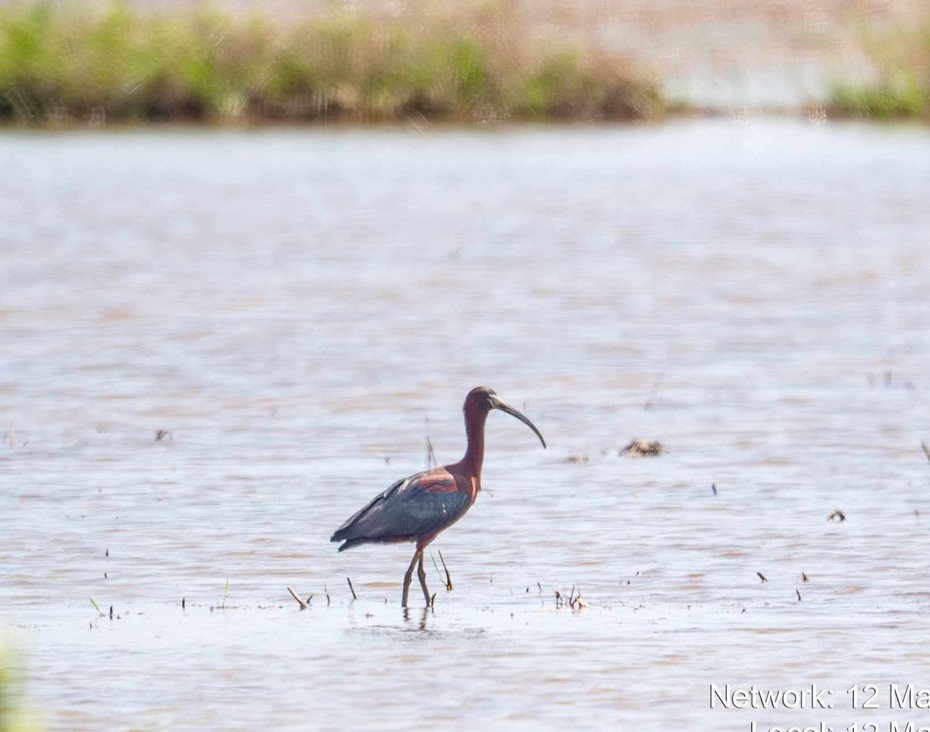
300, 601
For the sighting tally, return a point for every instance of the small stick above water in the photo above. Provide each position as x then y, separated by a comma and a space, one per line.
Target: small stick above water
926, 449
446, 570
655, 387
303, 605
354, 596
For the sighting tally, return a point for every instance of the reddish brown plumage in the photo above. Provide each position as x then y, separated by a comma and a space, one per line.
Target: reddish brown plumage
418, 508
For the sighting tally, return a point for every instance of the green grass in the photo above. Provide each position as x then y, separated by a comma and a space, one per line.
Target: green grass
902, 97
70, 64
16, 714
902, 87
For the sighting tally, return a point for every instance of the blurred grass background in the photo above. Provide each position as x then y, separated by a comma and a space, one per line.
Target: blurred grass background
15, 716
475, 61
900, 87
122, 63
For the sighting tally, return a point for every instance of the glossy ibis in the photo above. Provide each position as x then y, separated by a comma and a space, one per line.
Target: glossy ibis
418, 508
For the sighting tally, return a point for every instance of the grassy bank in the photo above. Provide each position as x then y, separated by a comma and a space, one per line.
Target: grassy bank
902, 86
71, 65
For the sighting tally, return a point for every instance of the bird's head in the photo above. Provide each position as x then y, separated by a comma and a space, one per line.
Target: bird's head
482, 399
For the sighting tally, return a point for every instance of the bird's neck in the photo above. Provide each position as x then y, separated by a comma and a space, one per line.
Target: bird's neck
474, 454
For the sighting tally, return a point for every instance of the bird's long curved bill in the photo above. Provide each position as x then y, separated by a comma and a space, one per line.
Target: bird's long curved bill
504, 407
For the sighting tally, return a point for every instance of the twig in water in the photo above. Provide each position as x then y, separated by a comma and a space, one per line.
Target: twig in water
762, 577
798, 593
433, 560
448, 576
430, 455
354, 596
803, 576
655, 387
225, 594
926, 449
713, 487
96, 607
303, 605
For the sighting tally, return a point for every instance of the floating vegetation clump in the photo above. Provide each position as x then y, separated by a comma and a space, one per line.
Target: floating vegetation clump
643, 448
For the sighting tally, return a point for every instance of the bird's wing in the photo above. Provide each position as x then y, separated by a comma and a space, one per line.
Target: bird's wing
412, 507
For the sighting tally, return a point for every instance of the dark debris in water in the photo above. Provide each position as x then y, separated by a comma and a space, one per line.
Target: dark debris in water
837, 515
643, 448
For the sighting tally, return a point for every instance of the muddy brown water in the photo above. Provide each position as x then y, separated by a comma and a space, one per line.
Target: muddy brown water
300, 309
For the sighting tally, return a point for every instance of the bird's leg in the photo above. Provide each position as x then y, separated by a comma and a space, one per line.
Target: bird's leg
418, 554
421, 573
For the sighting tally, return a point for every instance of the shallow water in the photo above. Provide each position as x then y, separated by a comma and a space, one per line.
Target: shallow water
300, 310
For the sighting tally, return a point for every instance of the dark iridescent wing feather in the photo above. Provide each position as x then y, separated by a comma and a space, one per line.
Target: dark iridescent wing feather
421, 504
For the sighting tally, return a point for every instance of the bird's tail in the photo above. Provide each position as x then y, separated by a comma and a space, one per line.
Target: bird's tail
349, 543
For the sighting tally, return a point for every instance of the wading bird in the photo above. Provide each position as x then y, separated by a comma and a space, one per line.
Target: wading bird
419, 507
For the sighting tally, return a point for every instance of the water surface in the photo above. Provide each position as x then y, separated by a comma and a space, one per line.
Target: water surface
300, 310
